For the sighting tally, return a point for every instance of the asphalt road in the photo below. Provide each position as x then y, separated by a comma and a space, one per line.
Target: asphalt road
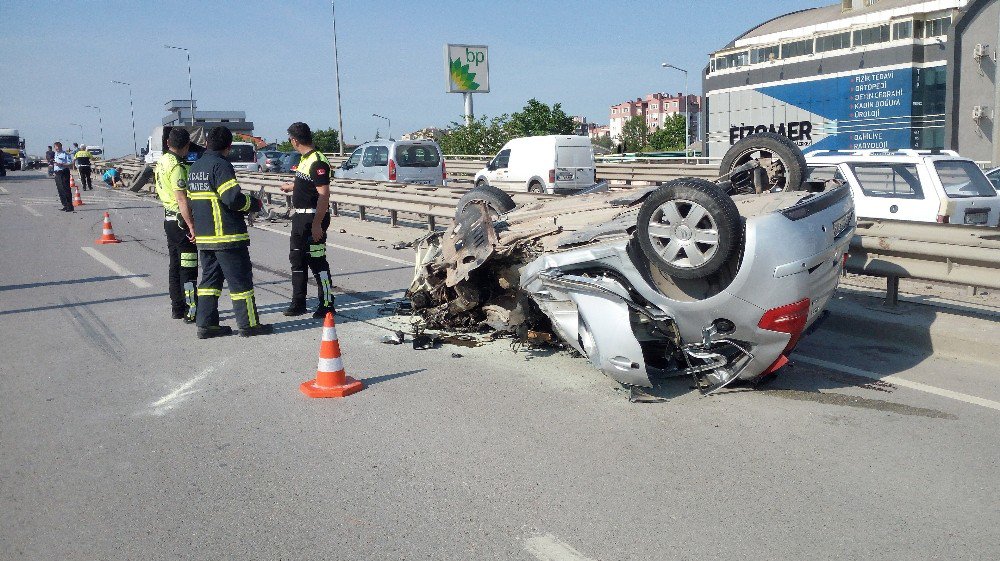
122, 436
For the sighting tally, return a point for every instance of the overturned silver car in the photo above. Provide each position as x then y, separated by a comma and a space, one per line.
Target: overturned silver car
680, 279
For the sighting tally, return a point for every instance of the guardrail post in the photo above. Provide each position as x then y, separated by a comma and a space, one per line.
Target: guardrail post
430, 223
288, 202
891, 291
393, 218
361, 213
334, 208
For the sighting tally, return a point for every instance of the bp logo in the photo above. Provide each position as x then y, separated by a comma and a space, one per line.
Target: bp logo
468, 68
460, 74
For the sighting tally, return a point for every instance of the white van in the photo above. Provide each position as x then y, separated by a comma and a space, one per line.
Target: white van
918, 185
542, 164
395, 161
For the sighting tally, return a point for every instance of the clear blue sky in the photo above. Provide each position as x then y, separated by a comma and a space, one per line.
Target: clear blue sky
274, 59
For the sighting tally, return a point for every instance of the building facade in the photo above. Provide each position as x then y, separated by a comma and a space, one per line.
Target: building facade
180, 114
863, 74
655, 108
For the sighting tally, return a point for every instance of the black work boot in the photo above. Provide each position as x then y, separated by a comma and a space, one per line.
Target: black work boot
177, 314
295, 309
321, 311
214, 331
262, 329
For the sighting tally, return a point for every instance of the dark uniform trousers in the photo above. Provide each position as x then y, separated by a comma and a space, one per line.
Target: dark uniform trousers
305, 252
85, 183
62, 185
182, 275
233, 266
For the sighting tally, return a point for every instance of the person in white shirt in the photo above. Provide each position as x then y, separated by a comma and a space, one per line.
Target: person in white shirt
62, 163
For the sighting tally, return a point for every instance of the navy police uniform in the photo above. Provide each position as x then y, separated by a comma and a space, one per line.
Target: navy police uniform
219, 209
305, 252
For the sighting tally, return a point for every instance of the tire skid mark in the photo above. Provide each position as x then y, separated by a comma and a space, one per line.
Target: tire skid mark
94, 330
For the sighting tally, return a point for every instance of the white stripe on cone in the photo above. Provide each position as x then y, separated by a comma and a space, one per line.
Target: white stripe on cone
331, 365
329, 333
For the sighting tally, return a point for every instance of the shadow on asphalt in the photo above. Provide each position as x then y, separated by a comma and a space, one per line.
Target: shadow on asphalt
70, 281
386, 377
88, 303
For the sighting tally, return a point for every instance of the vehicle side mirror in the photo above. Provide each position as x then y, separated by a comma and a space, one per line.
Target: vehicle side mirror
491, 166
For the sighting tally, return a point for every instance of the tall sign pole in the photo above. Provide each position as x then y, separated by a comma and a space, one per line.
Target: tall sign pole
468, 71
336, 70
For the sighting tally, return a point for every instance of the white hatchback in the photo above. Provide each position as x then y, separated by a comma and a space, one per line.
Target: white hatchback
917, 185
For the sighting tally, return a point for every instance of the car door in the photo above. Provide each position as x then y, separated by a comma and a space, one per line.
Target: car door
374, 164
891, 190
349, 169
499, 170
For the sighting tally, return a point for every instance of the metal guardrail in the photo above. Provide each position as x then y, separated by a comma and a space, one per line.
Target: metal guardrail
953, 253
965, 255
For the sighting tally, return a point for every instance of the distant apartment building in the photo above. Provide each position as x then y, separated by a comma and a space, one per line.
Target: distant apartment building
655, 108
430, 133
180, 114
597, 131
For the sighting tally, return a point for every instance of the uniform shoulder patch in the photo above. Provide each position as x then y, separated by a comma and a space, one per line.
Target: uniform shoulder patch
181, 183
321, 171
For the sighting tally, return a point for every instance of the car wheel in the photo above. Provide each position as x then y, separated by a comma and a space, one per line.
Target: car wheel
782, 164
498, 201
535, 187
688, 228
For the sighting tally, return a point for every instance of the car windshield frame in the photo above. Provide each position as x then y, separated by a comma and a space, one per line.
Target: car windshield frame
974, 175
406, 156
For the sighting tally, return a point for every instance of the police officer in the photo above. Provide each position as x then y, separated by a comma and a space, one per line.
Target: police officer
171, 185
82, 159
311, 200
218, 210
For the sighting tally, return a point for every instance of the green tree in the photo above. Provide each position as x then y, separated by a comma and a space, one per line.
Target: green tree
634, 135
537, 118
604, 141
671, 136
481, 136
325, 140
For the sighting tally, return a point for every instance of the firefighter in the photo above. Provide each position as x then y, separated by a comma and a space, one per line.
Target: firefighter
82, 158
218, 208
311, 201
171, 175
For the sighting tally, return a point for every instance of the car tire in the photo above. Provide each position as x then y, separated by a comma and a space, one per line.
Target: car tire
678, 247
498, 201
785, 172
481, 183
536, 187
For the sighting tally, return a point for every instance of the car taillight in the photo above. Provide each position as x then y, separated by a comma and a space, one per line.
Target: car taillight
392, 170
444, 171
552, 176
942, 218
789, 319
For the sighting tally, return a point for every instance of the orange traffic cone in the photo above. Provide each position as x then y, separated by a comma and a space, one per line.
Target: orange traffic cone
77, 199
108, 236
331, 380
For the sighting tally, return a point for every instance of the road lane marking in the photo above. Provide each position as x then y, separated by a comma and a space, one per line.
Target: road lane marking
122, 271
345, 248
32, 211
966, 398
550, 548
4, 191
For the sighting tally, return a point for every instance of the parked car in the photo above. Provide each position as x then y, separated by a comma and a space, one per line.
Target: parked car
676, 280
541, 164
243, 157
289, 162
917, 185
395, 161
269, 160
994, 176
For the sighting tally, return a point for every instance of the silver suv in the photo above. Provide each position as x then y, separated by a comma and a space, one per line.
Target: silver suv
395, 161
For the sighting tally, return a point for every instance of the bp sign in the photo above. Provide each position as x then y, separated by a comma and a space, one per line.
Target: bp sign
468, 68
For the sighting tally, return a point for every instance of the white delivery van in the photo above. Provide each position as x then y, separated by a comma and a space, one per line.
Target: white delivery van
542, 164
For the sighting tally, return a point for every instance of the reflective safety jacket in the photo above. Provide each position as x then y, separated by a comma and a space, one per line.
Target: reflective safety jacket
82, 158
313, 170
171, 175
218, 207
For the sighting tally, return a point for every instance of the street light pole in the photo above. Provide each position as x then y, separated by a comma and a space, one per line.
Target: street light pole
81, 131
190, 87
131, 106
100, 123
336, 69
388, 125
687, 108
